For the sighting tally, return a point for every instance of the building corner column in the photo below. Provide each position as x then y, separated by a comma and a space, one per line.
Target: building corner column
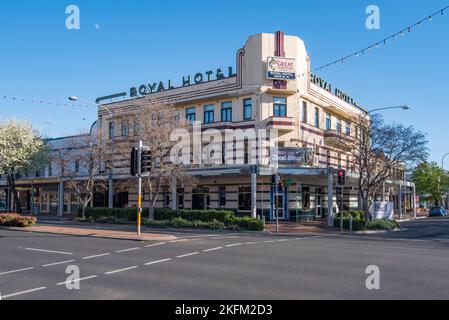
330, 198
174, 195
111, 193
254, 195
61, 198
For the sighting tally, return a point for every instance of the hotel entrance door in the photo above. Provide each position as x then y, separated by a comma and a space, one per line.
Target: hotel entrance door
200, 199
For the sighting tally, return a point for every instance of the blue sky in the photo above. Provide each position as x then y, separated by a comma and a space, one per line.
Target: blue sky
137, 41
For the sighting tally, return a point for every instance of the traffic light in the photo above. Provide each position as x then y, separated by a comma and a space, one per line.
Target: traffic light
135, 162
341, 176
141, 162
146, 161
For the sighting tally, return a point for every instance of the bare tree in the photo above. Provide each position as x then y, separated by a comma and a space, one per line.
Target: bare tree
83, 162
380, 151
154, 124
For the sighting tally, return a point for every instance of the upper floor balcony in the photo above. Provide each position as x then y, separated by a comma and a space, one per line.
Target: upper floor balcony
339, 139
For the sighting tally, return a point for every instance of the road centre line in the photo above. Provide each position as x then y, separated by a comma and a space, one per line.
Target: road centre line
158, 261
23, 292
127, 250
234, 245
49, 251
155, 245
251, 243
76, 280
57, 263
187, 255
96, 256
213, 249
121, 270
16, 271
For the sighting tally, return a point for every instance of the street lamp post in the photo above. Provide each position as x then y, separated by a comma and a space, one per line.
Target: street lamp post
442, 160
110, 173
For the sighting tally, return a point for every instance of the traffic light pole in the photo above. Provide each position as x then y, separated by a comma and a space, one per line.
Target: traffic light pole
139, 194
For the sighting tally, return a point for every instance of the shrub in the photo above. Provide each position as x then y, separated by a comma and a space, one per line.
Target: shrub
382, 225
15, 220
357, 224
245, 223
182, 223
206, 215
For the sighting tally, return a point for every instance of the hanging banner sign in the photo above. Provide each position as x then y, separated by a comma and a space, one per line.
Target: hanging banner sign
281, 68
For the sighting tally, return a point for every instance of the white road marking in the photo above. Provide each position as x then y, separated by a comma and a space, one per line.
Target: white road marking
127, 250
16, 271
213, 249
269, 241
121, 270
23, 292
156, 262
180, 240
283, 240
57, 263
188, 255
233, 237
49, 251
76, 280
155, 245
234, 245
251, 243
96, 256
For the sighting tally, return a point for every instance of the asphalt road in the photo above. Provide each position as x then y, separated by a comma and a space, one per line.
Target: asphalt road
413, 264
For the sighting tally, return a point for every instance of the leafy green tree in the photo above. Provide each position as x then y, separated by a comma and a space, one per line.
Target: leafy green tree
22, 150
431, 181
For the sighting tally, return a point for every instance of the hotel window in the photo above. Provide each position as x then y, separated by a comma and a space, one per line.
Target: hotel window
348, 129
226, 112
136, 127
247, 109
328, 122
317, 117
244, 198
304, 112
50, 171
222, 196
125, 128
280, 107
209, 113
356, 132
339, 126
77, 166
191, 115
111, 130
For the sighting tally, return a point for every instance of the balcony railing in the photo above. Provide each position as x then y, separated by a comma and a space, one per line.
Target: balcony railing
338, 139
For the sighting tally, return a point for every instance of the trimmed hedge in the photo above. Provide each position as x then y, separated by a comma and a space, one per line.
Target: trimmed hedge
182, 223
16, 220
167, 218
357, 224
382, 225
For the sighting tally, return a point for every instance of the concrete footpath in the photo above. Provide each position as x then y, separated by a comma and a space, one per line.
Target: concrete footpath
96, 233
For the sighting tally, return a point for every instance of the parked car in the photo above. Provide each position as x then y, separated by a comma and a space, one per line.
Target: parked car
438, 212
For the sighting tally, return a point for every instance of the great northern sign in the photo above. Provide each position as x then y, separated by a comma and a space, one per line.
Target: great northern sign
189, 80
281, 68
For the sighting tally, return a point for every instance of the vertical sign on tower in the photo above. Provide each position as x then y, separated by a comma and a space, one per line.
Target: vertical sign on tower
280, 52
